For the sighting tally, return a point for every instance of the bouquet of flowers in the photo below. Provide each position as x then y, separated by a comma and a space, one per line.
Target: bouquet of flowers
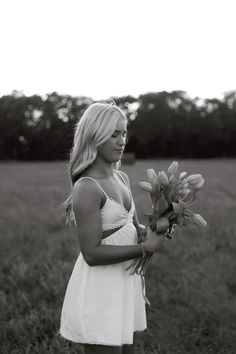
170, 193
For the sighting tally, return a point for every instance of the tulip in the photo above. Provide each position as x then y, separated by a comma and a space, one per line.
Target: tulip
182, 175
163, 179
189, 197
180, 184
152, 177
162, 225
193, 179
151, 174
173, 168
199, 184
184, 192
198, 220
146, 186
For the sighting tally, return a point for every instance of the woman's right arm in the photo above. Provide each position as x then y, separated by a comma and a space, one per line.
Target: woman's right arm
86, 205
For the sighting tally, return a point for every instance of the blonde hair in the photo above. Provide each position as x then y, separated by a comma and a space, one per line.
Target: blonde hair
95, 127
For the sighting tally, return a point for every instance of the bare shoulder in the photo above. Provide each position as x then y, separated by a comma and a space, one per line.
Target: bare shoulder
86, 196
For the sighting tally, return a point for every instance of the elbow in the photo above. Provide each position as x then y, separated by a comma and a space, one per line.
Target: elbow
89, 259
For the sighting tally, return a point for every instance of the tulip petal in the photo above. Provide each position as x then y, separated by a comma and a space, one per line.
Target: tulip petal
146, 186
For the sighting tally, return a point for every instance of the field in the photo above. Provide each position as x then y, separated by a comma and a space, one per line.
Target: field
191, 284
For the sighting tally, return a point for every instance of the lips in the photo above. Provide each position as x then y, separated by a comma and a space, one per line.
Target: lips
121, 150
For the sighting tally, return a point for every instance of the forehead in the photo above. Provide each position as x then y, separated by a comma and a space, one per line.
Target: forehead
121, 124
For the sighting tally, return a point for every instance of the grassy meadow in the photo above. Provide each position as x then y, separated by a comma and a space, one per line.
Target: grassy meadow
191, 284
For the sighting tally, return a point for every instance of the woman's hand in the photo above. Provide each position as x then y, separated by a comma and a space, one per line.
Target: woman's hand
142, 233
154, 241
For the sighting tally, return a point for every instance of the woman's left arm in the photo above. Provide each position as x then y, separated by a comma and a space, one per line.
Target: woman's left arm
141, 229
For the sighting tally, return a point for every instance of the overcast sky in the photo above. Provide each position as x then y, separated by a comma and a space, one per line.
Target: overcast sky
103, 48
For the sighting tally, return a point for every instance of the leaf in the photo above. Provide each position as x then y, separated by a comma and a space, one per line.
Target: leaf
161, 205
180, 220
171, 179
188, 221
188, 212
170, 195
178, 209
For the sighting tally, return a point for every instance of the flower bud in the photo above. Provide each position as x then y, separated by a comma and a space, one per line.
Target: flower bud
151, 174
172, 169
198, 220
146, 186
193, 179
199, 184
163, 179
182, 175
162, 225
184, 192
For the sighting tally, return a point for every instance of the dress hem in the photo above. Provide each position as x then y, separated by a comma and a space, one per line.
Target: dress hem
98, 343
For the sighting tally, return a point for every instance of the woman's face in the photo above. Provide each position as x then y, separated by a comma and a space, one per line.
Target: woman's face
112, 150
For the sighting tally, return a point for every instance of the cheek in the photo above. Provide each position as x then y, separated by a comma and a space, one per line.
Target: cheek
105, 148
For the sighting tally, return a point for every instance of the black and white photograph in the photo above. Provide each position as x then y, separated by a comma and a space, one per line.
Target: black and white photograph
117, 174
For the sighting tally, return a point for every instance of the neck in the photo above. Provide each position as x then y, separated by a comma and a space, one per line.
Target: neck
102, 169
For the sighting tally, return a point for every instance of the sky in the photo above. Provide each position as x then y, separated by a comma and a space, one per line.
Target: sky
110, 48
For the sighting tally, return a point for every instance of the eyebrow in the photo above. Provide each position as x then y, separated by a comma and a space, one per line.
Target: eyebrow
126, 131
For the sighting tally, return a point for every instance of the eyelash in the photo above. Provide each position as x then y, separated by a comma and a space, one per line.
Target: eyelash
114, 135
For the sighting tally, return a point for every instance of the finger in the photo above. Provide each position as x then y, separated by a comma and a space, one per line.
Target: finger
164, 243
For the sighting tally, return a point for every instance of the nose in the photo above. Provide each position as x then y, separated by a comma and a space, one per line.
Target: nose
122, 140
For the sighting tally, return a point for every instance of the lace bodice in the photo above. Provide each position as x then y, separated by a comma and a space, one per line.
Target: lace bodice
114, 214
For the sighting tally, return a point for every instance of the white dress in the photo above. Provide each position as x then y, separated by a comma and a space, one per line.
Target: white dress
104, 304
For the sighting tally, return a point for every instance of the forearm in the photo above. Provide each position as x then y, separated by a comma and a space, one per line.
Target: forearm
139, 227
109, 254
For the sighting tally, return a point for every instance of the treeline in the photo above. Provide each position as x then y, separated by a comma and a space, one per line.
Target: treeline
161, 124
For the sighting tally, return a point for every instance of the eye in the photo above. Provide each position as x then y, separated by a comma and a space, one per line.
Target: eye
115, 134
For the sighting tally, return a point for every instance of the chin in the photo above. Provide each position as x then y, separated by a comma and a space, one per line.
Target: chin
116, 160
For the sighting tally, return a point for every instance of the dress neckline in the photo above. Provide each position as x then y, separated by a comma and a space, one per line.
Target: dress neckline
119, 204
110, 198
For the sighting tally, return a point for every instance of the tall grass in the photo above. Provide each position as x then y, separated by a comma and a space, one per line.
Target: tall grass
191, 284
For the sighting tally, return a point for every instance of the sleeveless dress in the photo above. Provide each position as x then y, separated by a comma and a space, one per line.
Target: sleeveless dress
104, 304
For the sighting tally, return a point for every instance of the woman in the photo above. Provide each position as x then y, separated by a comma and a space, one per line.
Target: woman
104, 306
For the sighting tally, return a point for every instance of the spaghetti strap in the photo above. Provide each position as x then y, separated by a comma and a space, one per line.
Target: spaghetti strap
122, 178
125, 184
94, 181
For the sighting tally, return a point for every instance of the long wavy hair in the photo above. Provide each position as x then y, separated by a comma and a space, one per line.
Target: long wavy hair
94, 128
